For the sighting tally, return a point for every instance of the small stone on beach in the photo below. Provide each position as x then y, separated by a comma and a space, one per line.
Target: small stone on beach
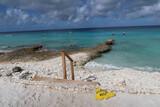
91, 78
17, 69
9, 74
25, 75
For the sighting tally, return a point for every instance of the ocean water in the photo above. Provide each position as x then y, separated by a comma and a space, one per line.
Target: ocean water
139, 48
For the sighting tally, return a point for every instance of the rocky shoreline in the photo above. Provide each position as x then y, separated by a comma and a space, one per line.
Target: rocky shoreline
38, 53
33, 53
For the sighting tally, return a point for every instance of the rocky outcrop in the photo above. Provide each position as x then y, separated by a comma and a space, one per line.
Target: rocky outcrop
96, 52
35, 52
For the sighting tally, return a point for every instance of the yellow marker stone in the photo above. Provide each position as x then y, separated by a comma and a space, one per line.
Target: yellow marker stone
102, 94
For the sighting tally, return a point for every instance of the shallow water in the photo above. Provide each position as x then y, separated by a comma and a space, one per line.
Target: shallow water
139, 48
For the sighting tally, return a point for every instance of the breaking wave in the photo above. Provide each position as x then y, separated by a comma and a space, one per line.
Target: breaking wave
105, 67
95, 65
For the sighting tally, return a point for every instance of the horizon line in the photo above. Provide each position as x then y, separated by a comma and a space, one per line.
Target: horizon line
75, 29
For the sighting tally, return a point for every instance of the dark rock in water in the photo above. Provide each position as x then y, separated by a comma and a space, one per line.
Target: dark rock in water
73, 46
37, 47
17, 69
124, 33
28, 53
29, 47
70, 47
28, 50
2, 53
0, 75
110, 42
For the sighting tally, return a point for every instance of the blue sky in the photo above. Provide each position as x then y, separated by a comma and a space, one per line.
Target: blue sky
53, 14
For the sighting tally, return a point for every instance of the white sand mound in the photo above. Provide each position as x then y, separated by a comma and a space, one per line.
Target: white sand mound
20, 95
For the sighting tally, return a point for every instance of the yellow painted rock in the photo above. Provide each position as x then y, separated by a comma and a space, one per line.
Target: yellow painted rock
102, 94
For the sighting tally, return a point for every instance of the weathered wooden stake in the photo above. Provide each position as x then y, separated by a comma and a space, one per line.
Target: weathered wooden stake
72, 70
63, 54
64, 65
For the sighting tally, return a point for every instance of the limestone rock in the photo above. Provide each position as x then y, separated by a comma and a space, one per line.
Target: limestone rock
110, 42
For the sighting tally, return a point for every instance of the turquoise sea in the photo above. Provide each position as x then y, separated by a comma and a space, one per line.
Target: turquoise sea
139, 48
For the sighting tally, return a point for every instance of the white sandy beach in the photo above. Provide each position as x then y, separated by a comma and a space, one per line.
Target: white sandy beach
134, 88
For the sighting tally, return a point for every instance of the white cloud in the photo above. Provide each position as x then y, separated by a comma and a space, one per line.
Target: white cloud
17, 15
153, 10
76, 10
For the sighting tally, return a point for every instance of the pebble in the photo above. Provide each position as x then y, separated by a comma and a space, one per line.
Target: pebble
25, 75
17, 69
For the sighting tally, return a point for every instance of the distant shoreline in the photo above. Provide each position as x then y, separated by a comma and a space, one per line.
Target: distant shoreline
77, 29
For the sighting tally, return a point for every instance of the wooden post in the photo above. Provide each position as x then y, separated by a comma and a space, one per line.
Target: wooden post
63, 54
64, 65
72, 70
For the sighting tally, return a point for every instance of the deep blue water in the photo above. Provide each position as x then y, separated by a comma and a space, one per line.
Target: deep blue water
140, 47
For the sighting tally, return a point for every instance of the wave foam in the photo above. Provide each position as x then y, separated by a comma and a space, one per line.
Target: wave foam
97, 66
150, 69
3, 47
